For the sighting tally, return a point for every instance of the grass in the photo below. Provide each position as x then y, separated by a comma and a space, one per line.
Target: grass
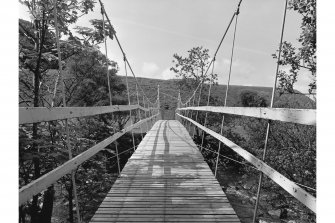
171, 87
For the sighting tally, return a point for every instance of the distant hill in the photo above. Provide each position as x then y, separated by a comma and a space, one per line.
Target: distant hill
171, 87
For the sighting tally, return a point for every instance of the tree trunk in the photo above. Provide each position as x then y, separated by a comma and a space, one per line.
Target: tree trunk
70, 197
34, 205
22, 215
36, 160
106, 163
40, 36
46, 212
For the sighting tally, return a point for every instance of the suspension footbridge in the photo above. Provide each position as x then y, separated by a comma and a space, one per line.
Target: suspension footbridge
166, 179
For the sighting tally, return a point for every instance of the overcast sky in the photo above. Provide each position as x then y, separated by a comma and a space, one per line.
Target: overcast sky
151, 31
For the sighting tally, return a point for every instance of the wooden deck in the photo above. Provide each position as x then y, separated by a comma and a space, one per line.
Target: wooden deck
166, 180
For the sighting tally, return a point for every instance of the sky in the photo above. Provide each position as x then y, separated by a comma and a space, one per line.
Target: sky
151, 31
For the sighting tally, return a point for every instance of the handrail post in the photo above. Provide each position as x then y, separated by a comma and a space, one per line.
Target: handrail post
268, 125
139, 110
219, 149
178, 103
187, 112
206, 115
197, 113
145, 114
191, 112
158, 103
150, 114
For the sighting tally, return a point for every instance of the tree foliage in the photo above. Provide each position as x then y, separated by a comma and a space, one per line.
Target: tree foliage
85, 85
303, 56
37, 43
95, 35
252, 99
192, 69
43, 146
68, 12
37, 54
86, 77
38, 49
291, 148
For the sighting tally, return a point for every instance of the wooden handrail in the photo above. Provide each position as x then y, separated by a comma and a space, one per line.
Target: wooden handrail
38, 185
300, 194
300, 116
29, 115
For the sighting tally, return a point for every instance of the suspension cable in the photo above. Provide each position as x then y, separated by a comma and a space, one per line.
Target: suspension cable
223, 37
231, 61
106, 61
169, 95
227, 87
236, 161
268, 124
246, 164
131, 120
109, 87
208, 98
132, 148
60, 76
123, 53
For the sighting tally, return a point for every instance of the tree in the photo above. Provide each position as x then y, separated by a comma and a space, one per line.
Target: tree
86, 80
37, 56
191, 69
85, 85
291, 147
304, 56
252, 99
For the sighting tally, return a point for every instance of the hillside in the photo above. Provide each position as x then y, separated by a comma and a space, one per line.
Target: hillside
171, 87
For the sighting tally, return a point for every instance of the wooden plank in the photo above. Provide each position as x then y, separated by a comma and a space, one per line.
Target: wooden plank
161, 219
300, 194
29, 115
165, 218
181, 216
38, 185
159, 204
164, 211
173, 200
150, 186
300, 116
163, 182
